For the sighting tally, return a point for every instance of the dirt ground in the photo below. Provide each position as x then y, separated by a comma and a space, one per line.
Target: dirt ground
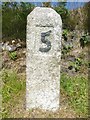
19, 111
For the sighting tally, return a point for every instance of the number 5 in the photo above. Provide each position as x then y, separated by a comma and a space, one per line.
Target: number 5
47, 42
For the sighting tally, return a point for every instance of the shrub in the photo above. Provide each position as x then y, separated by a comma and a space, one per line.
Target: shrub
76, 65
13, 55
14, 19
84, 40
66, 49
64, 13
64, 34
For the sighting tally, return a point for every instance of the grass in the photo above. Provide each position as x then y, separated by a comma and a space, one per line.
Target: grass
76, 89
12, 86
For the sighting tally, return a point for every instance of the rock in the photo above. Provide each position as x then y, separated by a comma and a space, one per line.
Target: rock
7, 47
44, 28
18, 45
13, 41
11, 48
24, 52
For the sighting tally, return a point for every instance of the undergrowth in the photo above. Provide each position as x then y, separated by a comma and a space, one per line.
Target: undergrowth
76, 88
12, 85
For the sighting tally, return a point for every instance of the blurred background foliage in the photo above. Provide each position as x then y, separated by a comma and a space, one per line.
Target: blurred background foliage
14, 17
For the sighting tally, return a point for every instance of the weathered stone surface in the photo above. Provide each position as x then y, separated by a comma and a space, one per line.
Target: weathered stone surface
44, 28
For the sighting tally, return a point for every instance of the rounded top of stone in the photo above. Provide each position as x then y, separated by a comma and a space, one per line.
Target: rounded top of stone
43, 8
43, 16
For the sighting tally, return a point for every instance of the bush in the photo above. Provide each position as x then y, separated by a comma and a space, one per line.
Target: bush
64, 13
76, 64
66, 48
64, 34
14, 19
84, 40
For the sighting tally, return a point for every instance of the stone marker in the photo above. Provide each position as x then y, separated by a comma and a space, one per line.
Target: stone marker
44, 28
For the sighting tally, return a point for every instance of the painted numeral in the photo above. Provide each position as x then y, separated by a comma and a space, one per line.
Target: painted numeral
47, 42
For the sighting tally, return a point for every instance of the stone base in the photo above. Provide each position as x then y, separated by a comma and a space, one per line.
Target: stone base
43, 82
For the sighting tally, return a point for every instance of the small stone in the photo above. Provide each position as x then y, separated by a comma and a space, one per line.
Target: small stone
7, 47
10, 48
13, 41
18, 45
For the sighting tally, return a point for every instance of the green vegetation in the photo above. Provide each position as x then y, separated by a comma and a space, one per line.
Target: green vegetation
64, 34
76, 64
66, 49
84, 40
16, 16
12, 86
64, 13
13, 55
76, 89
14, 19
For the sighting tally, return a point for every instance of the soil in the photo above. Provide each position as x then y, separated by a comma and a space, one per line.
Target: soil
18, 110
